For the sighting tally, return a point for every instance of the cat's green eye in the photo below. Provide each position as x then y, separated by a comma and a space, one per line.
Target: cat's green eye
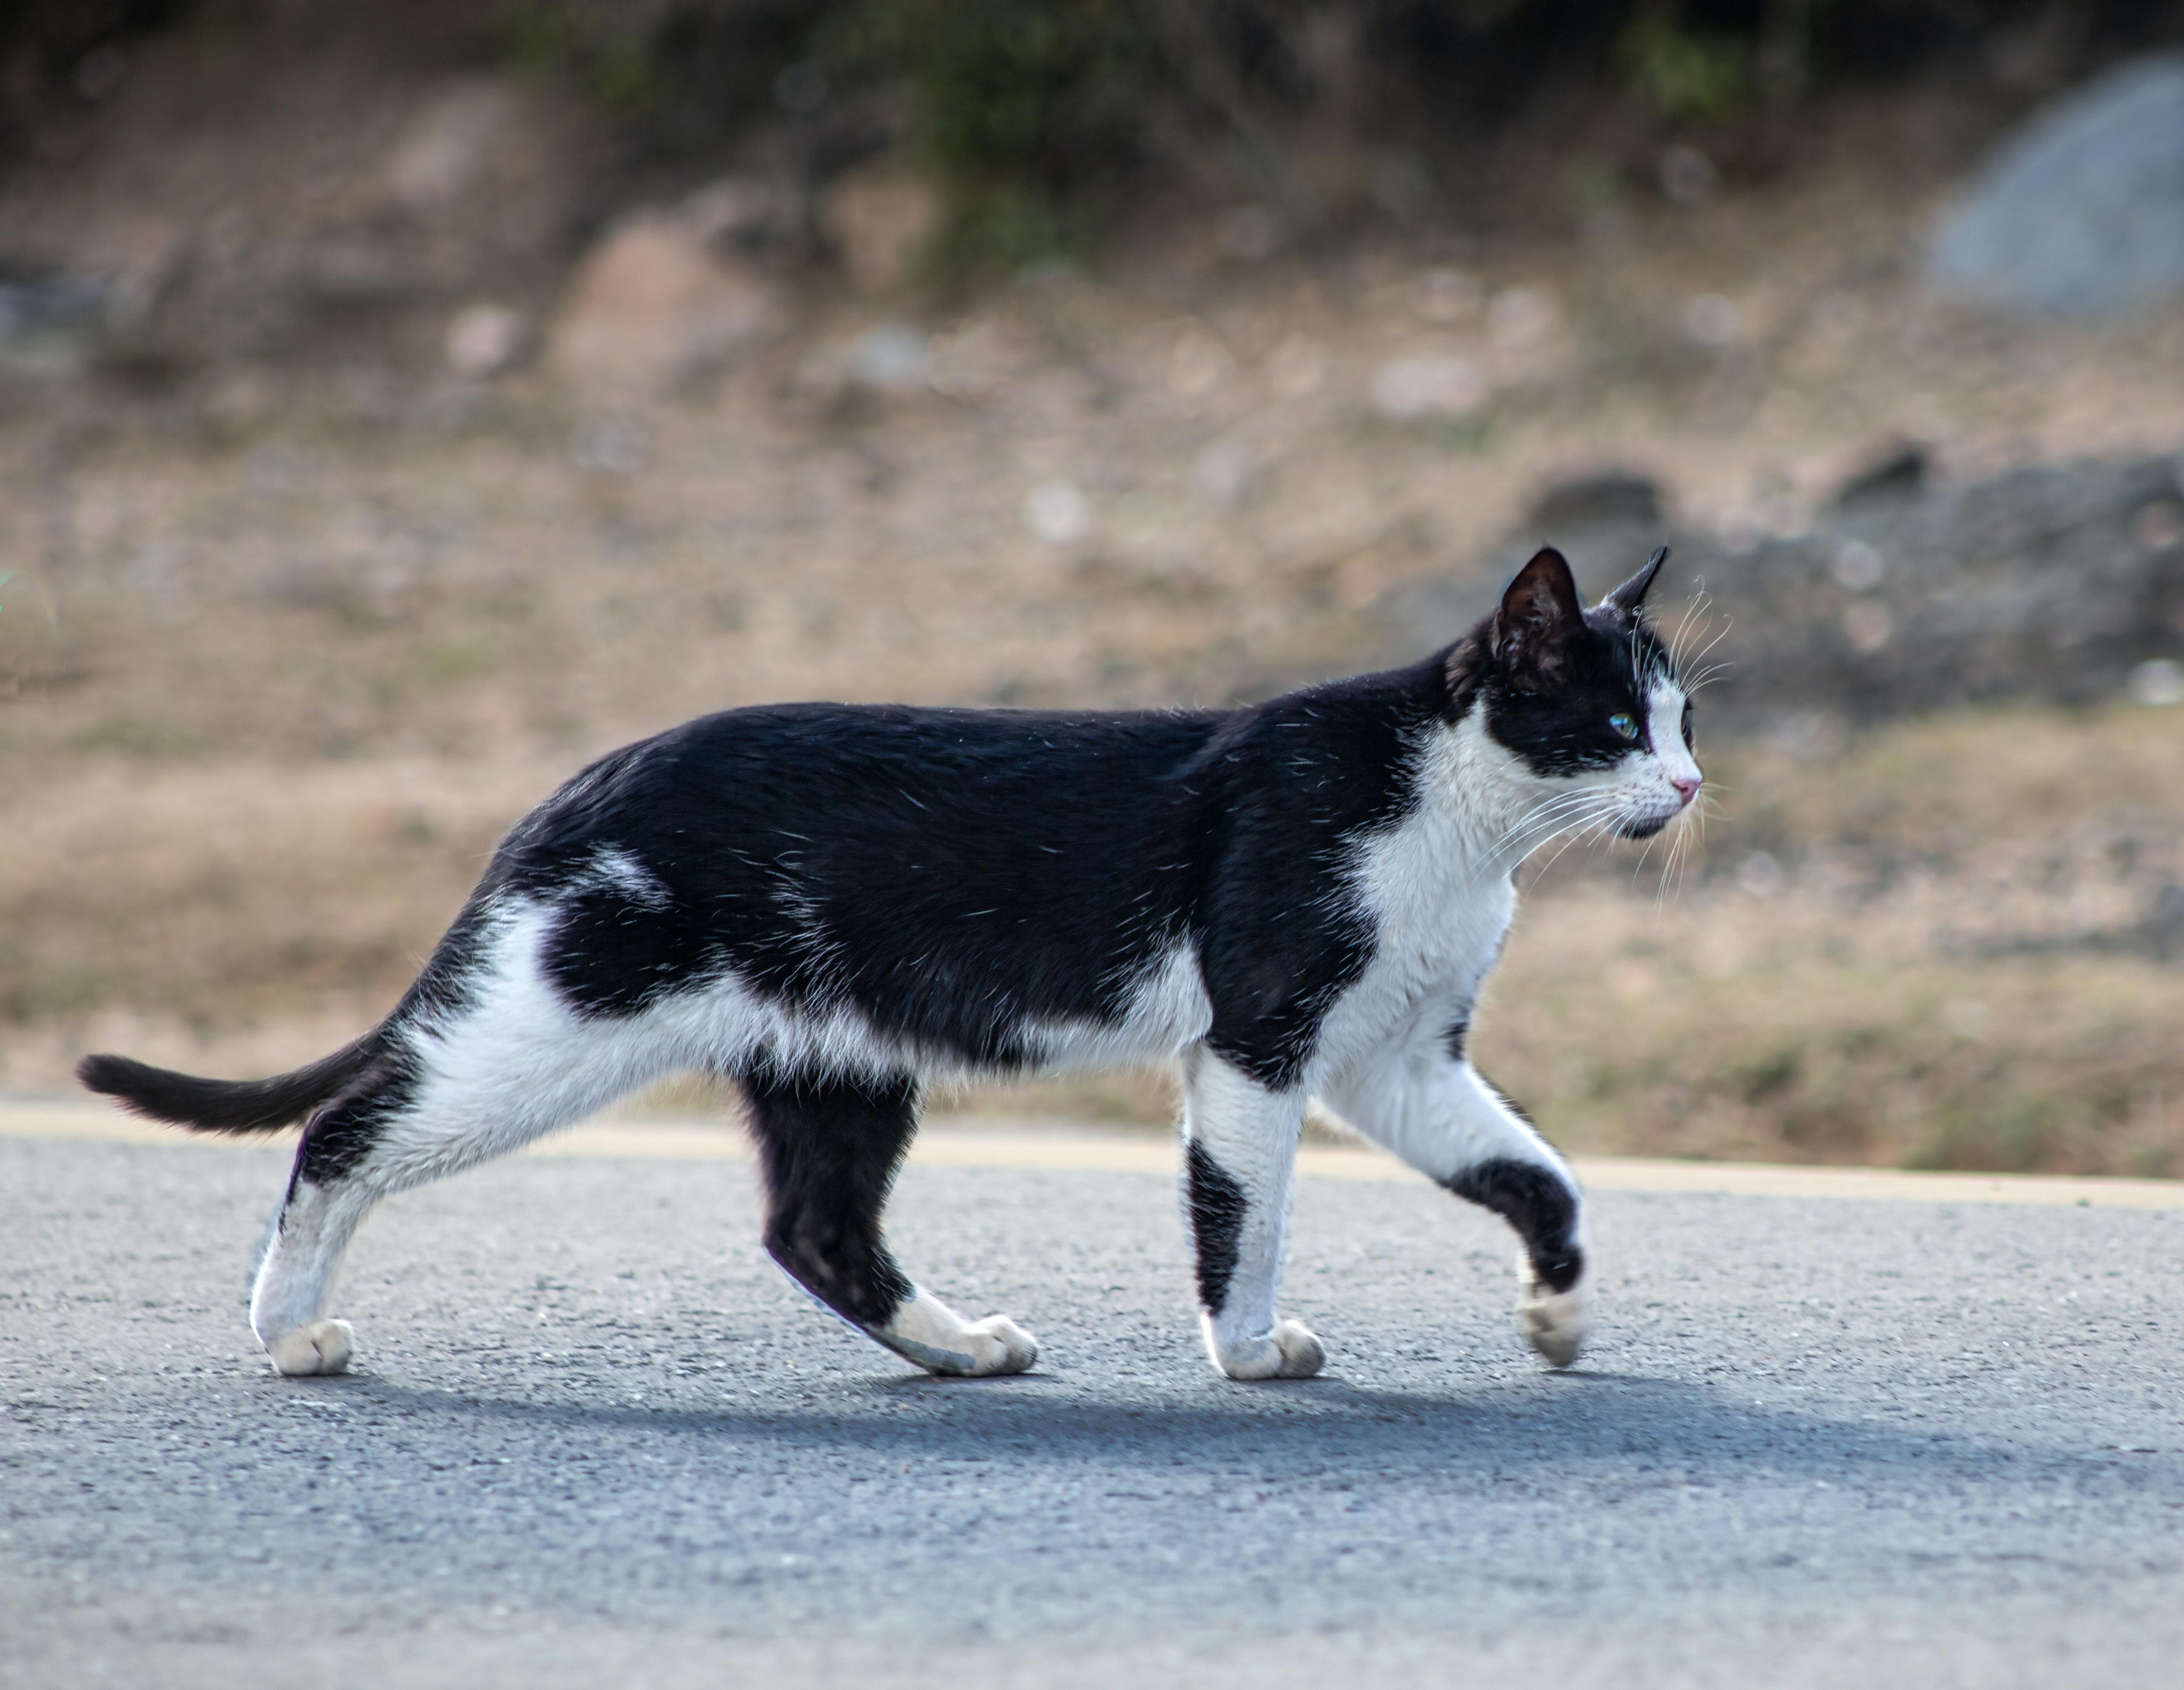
1627, 726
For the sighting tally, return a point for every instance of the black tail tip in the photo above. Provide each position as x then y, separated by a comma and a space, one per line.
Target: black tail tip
106, 1074
134, 1085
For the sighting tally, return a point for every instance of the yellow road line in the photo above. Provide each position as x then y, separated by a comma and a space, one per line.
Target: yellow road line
962, 1141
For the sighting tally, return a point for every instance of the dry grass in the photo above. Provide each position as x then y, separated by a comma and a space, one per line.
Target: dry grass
287, 646
1922, 982
1913, 950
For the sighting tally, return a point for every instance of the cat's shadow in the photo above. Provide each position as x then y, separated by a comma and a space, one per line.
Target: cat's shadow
1598, 1424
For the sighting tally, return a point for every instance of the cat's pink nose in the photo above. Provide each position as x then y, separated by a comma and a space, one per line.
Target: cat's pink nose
1686, 785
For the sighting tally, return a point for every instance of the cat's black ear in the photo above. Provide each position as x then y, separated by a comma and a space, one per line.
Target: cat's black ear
1540, 613
1631, 593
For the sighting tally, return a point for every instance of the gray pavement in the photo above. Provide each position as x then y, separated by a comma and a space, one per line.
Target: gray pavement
596, 1440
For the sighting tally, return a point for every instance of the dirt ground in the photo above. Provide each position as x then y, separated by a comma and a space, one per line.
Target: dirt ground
295, 626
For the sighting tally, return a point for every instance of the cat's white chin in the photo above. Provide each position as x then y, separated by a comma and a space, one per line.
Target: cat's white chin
1556, 1323
322, 1346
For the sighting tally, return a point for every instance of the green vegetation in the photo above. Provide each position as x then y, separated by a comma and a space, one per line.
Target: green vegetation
1039, 116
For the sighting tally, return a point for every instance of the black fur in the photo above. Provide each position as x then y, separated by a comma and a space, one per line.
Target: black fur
221, 1105
952, 876
969, 870
909, 889
1571, 670
1538, 1205
1217, 1209
829, 1150
342, 1133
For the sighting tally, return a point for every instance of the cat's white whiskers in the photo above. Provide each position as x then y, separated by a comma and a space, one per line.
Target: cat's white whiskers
1557, 815
1543, 815
1594, 831
1699, 606
1721, 634
1680, 853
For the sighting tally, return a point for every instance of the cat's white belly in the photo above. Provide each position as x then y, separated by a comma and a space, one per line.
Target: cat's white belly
1168, 1010
519, 1029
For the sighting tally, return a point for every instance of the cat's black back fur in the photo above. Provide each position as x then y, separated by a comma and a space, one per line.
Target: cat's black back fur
979, 870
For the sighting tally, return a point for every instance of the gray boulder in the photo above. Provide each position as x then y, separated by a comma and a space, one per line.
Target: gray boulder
2047, 582
2080, 212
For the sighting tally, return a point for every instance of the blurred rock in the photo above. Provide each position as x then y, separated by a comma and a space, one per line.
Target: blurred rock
2159, 681
608, 445
47, 318
1057, 513
1528, 337
889, 358
1426, 385
2079, 213
1249, 232
36, 301
1899, 473
1608, 499
880, 224
1712, 320
484, 339
1222, 470
1686, 175
1447, 296
982, 360
746, 216
447, 148
2036, 583
651, 304
2042, 583
138, 257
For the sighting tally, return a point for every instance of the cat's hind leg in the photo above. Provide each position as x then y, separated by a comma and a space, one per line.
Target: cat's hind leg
1240, 1142
433, 1104
1425, 1102
829, 1149
330, 1189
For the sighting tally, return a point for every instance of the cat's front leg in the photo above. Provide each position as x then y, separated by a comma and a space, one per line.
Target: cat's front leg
1426, 1103
1239, 1154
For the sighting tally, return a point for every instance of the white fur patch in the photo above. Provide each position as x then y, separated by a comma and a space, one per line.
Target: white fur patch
1556, 1323
1167, 1009
1289, 1351
322, 1346
927, 1331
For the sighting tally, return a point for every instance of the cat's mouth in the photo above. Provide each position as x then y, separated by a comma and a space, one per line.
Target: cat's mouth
1645, 827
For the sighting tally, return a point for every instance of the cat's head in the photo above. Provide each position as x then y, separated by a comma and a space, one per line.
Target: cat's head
1588, 701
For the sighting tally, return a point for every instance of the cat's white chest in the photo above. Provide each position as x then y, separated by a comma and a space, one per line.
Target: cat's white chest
1440, 902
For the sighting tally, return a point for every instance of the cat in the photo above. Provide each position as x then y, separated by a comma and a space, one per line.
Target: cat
833, 904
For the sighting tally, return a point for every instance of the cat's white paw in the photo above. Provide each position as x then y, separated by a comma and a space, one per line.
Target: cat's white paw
1290, 1351
322, 1346
1556, 1323
927, 1331
1000, 1346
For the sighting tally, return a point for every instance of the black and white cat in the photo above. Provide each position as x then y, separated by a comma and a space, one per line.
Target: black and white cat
831, 904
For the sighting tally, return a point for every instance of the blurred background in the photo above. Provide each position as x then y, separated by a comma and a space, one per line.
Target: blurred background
400, 404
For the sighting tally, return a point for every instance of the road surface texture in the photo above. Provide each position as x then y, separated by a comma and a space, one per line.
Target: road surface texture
594, 1439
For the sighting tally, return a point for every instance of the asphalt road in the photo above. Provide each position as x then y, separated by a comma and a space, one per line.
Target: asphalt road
595, 1439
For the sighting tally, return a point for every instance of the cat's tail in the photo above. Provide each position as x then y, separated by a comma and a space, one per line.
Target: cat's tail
229, 1105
